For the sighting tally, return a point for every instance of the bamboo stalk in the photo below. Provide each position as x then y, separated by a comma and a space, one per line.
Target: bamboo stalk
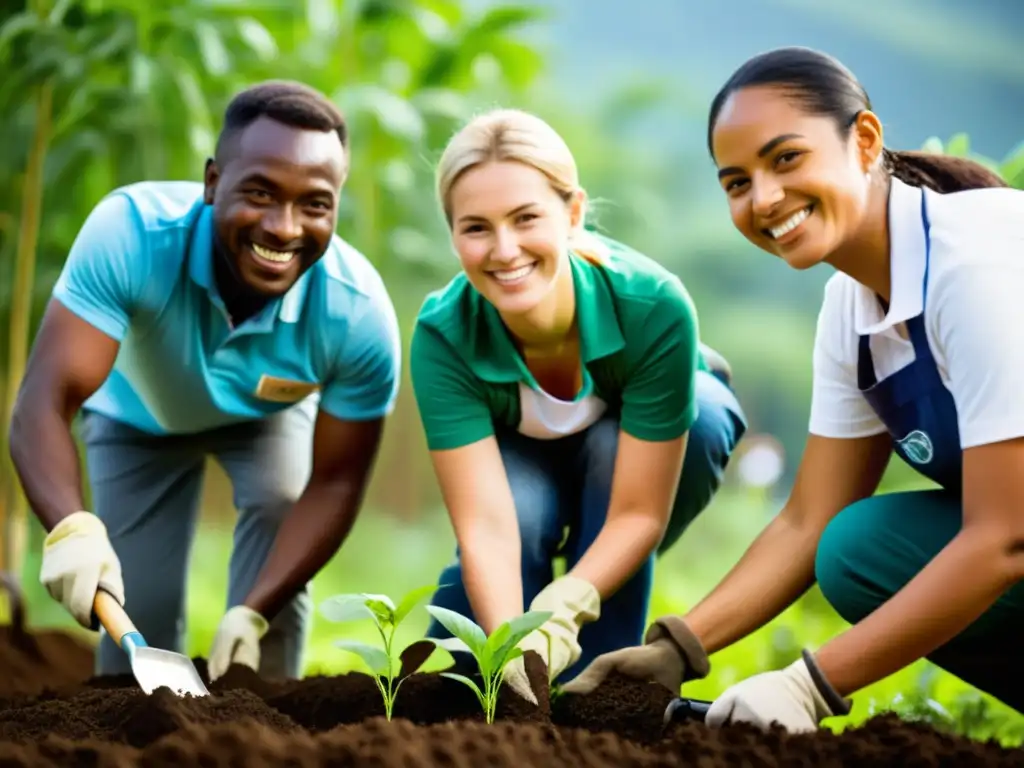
21, 316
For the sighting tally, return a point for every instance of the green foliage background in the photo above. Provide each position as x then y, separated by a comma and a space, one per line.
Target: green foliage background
100, 93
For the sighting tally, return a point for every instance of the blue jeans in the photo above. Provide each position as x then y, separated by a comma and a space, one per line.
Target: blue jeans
566, 484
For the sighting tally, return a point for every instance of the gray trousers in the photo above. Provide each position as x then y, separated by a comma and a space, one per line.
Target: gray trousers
146, 489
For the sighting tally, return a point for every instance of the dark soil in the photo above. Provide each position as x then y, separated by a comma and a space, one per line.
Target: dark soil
52, 714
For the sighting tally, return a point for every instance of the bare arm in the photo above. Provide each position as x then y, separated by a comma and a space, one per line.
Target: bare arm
643, 489
480, 504
344, 453
779, 566
960, 583
70, 359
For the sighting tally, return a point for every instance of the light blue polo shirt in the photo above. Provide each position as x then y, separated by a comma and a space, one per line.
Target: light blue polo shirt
141, 271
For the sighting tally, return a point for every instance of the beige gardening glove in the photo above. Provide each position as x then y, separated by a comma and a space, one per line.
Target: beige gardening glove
237, 641
671, 655
77, 560
798, 698
573, 603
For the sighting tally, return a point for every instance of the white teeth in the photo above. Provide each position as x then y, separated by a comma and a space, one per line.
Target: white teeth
279, 257
790, 224
509, 275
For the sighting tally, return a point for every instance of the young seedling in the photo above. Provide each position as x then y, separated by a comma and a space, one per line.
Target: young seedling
492, 653
386, 616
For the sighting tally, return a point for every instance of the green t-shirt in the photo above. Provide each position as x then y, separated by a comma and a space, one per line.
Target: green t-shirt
639, 345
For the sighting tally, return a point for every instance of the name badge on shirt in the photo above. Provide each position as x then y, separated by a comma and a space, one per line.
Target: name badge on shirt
284, 390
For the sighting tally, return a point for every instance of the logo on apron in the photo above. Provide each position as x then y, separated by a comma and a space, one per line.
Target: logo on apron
918, 447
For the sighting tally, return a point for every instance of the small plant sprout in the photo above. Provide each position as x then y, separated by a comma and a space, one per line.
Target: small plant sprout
386, 616
492, 653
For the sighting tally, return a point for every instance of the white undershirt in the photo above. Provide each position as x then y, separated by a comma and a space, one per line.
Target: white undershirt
547, 418
974, 317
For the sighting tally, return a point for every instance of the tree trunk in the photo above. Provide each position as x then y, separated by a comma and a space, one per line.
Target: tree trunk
21, 317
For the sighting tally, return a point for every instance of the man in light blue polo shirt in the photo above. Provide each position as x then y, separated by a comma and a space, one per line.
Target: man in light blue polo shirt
225, 319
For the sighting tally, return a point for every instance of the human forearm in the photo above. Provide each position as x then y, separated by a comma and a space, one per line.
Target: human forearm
953, 590
310, 535
774, 571
492, 574
45, 457
623, 544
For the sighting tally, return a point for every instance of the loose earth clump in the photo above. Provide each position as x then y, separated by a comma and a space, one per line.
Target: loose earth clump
52, 713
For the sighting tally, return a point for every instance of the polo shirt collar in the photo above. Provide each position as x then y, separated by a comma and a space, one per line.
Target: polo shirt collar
907, 260
493, 356
200, 266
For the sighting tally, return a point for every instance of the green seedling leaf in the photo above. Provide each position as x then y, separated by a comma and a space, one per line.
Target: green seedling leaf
466, 681
520, 627
415, 656
386, 602
497, 639
342, 608
452, 645
959, 145
413, 599
383, 611
464, 629
375, 658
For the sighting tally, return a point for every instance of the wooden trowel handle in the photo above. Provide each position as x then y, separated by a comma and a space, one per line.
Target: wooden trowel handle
112, 616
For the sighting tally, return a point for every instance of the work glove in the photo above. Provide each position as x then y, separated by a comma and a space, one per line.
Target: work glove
798, 698
77, 560
573, 602
671, 654
237, 641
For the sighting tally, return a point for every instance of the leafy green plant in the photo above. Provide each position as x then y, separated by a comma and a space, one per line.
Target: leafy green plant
492, 653
386, 616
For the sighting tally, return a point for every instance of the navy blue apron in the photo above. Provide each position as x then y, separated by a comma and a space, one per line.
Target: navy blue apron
913, 403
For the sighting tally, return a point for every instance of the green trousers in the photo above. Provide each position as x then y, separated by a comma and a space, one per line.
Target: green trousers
872, 549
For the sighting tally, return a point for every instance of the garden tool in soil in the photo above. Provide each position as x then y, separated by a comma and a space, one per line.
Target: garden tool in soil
153, 667
681, 710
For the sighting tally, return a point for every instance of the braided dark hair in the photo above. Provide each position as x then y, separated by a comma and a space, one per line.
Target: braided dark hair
824, 86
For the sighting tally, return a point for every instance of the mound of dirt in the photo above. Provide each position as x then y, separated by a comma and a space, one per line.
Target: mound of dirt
32, 662
53, 714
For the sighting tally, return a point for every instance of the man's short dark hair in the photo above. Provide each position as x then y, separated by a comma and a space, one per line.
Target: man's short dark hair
285, 101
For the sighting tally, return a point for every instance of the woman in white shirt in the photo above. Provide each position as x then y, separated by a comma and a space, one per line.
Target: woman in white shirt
919, 351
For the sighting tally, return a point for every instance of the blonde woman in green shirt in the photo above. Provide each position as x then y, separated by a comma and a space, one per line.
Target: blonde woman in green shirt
569, 407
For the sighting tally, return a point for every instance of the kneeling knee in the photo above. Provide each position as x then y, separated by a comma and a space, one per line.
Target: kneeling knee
842, 565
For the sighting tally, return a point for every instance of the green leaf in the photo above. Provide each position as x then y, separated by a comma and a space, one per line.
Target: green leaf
415, 656
933, 144
959, 145
445, 103
212, 49
411, 600
396, 116
464, 629
1012, 168
466, 681
258, 39
382, 606
498, 638
18, 24
451, 644
502, 19
519, 627
342, 608
386, 601
375, 658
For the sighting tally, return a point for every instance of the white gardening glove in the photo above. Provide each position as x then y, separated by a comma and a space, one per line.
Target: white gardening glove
789, 697
237, 641
573, 603
77, 560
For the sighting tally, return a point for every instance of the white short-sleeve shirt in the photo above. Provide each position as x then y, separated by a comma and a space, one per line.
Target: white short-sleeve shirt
973, 315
